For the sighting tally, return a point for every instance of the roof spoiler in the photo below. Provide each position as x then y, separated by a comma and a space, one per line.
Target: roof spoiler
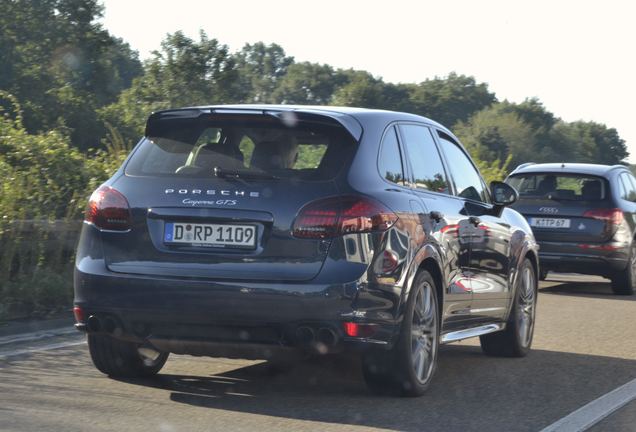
523, 165
285, 116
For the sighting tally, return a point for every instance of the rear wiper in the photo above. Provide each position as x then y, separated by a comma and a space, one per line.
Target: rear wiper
242, 173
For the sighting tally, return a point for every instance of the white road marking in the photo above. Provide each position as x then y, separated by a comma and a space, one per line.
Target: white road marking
595, 411
40, 348
32, 336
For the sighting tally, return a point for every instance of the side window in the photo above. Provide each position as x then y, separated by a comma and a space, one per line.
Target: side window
632, 180
390, 159
467, 179
426, 163
628, 190
622, 187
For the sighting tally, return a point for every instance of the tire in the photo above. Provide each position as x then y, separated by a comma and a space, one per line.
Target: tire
516, 339
118, 358
408, 368
623, 281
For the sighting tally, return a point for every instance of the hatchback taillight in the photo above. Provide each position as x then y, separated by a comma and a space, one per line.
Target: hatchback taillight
613, 216
108, 209
334, 216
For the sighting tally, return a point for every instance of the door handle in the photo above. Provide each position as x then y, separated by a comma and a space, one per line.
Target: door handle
436, 216
474, 220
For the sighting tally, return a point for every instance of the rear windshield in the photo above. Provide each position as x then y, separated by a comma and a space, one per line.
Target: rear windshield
573, 187
243, 146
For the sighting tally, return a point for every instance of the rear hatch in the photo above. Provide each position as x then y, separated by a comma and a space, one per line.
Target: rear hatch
215, 194
566, 207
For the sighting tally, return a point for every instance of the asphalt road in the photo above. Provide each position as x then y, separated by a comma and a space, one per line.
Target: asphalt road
584, 347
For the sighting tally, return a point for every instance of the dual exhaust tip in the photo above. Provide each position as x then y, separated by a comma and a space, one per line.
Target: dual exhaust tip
322, 338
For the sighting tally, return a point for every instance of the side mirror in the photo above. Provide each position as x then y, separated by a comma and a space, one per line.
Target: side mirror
503, 194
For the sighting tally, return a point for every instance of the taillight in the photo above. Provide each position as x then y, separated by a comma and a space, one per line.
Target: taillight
359, 330
613, 216
601, 247
108, 209
390, 261
451, 230
334, 216
79, 314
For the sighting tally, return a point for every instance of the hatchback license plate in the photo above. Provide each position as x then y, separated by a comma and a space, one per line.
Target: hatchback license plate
211, 235
550, 223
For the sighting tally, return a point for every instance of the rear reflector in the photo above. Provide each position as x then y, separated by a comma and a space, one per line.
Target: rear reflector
602, 247
108, 209
79, 314
613, 216
334, 216
358, 330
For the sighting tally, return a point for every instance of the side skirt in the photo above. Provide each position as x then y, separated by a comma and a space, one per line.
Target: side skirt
458, 335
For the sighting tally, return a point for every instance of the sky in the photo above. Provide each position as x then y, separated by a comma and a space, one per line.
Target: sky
576, 57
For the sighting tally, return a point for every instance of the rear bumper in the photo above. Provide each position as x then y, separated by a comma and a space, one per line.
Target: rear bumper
598, 259
230, 319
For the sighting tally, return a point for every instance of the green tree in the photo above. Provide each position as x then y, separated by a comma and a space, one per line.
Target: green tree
495, 170
62, 64
261, 69
183, 73
593, 142
566, 142
47, 183
495, 133
307, 84
361, 90
451, 99
533, 113
527, 132
396, 97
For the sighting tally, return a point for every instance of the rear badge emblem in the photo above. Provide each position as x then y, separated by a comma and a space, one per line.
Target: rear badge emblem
551, 210
581, 226
236, 193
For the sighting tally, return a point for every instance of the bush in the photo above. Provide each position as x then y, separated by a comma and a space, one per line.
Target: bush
45, 188
43, 292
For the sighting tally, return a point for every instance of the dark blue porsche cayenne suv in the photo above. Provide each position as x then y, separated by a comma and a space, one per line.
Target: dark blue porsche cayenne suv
258, 231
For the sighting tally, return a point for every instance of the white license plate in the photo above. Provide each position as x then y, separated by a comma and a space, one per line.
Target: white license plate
550, 223
211, 235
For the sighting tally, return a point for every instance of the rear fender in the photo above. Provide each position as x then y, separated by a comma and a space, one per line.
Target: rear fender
427, 253
522, 246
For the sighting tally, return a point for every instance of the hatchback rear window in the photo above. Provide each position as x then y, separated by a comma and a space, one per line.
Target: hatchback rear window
573, 187
243, 146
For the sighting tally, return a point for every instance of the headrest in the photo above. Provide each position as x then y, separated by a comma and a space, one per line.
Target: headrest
591, 190
274, 155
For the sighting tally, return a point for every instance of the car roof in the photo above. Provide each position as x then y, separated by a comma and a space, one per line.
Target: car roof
566, 168
361, 115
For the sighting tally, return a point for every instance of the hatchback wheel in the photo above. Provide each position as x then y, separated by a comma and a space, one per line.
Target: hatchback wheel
516, 339
118, 358
409, 367
623, 282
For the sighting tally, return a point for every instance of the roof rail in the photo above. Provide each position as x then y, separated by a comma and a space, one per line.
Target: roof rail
620, 166
523, 165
